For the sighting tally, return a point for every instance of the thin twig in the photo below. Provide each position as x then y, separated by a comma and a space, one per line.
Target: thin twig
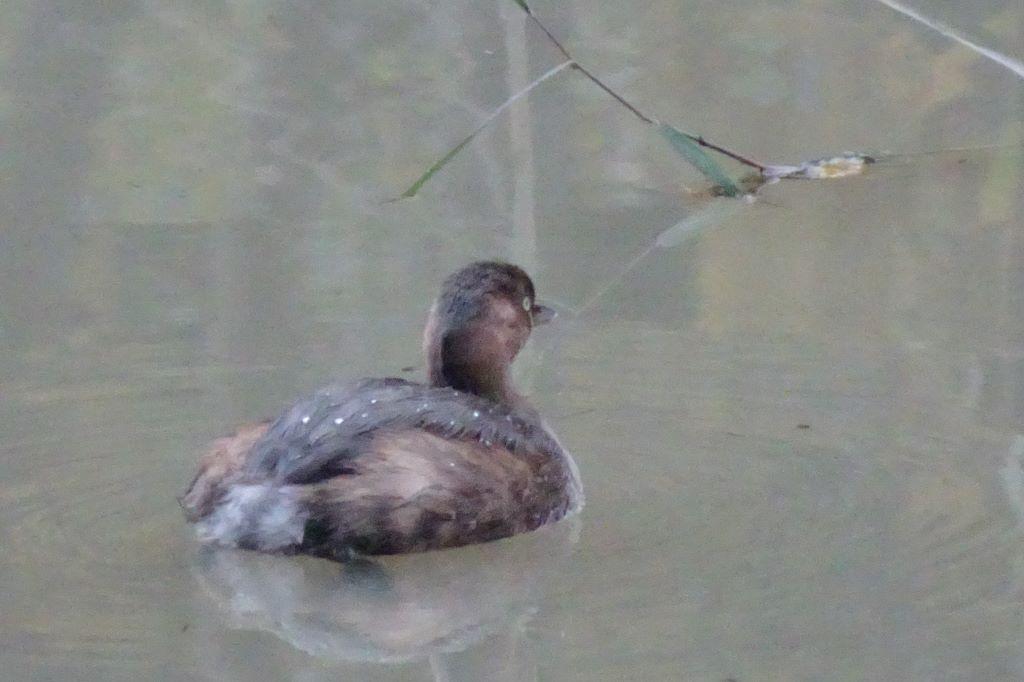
552, 38
415, 187
650, 120
1007, 62
732, 155
576, 65
622, 100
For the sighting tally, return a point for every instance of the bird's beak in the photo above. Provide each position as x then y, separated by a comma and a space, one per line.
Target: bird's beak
541, 314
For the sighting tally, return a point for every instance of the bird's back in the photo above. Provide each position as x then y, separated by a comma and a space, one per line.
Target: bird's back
383, 466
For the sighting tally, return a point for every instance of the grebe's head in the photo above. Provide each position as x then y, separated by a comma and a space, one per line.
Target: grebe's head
478, 324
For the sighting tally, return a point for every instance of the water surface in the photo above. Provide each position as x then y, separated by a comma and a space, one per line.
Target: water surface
800, 430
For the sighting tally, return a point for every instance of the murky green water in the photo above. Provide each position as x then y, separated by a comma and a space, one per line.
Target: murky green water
799, 430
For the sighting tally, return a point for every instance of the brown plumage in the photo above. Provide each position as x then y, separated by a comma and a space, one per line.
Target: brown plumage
385, 466
218, 465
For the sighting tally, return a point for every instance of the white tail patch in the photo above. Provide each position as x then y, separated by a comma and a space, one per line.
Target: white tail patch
261, 516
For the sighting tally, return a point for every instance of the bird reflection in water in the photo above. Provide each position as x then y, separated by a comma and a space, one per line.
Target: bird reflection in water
465, 611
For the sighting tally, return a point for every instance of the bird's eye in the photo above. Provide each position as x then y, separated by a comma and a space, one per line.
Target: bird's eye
527, 305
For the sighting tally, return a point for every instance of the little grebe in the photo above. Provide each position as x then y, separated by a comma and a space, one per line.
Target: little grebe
384, 466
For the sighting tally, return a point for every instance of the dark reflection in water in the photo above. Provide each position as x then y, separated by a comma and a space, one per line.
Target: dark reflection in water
465, 611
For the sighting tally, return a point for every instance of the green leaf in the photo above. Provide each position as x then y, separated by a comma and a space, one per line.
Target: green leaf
688, 148
443, 161
422, 180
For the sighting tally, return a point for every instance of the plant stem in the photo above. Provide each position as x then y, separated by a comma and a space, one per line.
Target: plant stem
649, 120
732, 155
576, 65
621, 100
440, 163
552, 38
